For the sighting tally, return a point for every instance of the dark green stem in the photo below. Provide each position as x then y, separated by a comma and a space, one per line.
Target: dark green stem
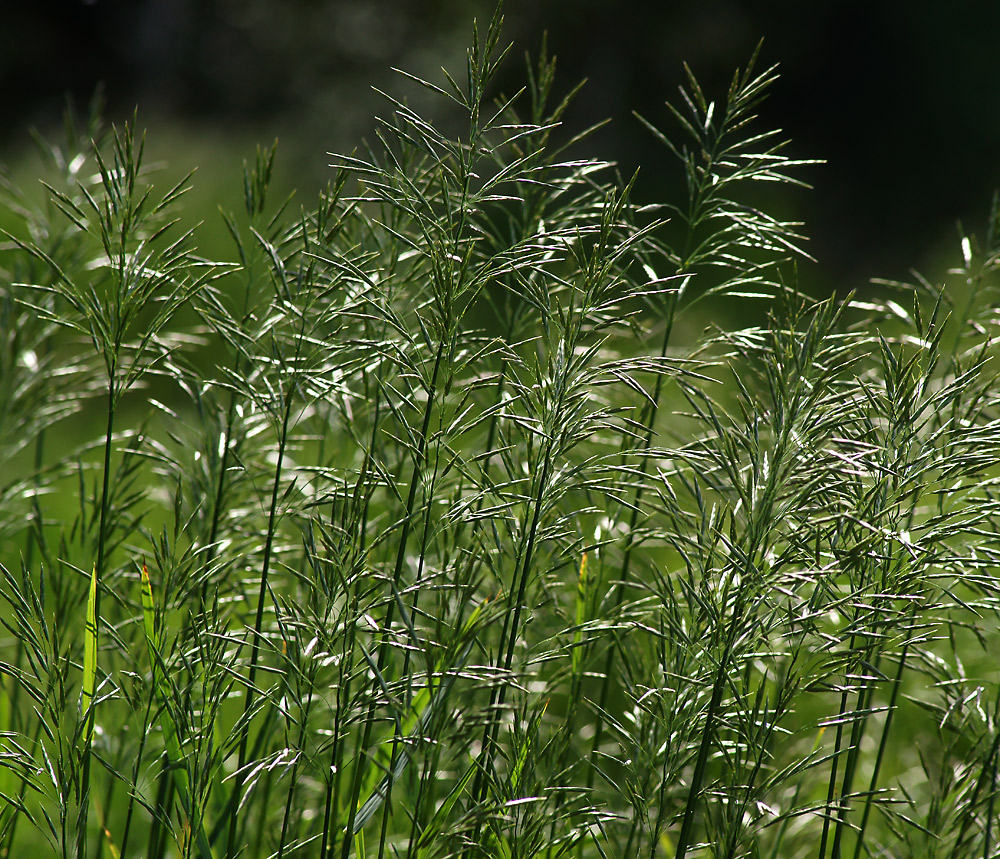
882, 747
81, 834
508, 639
623, 578
418, 461
701, 763
347, 653
831, 792
850, 766
248, 701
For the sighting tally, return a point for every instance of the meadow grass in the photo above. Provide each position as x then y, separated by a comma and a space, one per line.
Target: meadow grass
427, 526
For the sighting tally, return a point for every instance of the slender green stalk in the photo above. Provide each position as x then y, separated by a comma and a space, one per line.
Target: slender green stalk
649, 425
344, 684
512, 624
164, 798
139, 761
258, 626
90, 714
701, 762
883, 746
383, 651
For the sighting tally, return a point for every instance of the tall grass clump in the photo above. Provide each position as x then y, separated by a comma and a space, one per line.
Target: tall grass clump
429, 524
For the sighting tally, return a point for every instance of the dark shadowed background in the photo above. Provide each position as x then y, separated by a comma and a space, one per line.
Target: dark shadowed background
901, 98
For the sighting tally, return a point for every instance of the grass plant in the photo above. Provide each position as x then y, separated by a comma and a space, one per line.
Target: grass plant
427, 524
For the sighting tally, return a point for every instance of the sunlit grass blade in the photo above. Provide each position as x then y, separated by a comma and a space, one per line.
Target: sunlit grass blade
89, 659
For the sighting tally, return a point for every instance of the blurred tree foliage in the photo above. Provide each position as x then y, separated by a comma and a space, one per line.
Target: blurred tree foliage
900, 97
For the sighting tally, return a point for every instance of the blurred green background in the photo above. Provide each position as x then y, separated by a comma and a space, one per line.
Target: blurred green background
900, 98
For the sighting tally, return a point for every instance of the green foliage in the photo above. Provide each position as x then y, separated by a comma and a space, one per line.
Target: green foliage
446, 536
